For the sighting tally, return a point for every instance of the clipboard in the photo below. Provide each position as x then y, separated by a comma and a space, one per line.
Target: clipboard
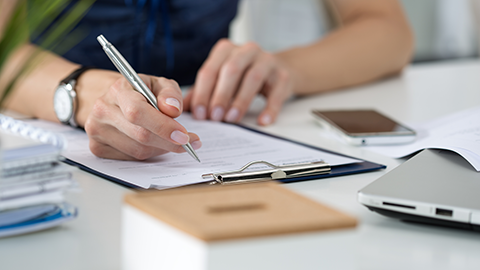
302, 170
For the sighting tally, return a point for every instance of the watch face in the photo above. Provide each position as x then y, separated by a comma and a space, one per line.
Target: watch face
63, 104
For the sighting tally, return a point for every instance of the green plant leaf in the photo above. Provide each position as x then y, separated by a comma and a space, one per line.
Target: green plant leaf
51, 20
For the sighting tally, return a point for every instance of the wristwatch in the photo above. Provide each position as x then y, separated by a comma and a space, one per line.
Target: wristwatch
65, 98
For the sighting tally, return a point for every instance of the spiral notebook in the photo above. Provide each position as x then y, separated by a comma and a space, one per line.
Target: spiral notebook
33, 134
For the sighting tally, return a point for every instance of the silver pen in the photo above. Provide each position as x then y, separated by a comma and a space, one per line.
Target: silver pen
137, 83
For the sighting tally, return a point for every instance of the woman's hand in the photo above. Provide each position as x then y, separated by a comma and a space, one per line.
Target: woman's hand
123, 125
230, 79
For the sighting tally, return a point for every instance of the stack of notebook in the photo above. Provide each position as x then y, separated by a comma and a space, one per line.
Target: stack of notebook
33, 182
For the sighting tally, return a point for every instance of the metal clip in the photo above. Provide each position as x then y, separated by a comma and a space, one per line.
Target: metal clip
276, 173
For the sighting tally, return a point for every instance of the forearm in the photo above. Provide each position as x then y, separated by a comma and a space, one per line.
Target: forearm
33, 93
365, 48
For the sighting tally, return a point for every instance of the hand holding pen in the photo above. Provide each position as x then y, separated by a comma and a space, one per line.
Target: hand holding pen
125, 125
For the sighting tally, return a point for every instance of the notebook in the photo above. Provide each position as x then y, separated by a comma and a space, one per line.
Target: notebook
435, 186
32, 179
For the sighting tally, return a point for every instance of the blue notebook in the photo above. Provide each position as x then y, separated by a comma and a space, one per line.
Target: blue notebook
34, 218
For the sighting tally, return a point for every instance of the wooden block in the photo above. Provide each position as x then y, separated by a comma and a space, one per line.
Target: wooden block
213, 213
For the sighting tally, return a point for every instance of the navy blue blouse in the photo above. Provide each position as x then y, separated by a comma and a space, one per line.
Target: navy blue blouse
169, 38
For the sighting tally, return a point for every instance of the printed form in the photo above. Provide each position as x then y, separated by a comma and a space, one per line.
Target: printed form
458, 132
226, 147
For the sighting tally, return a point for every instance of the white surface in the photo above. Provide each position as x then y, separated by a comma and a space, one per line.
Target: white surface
148, 243
422, 93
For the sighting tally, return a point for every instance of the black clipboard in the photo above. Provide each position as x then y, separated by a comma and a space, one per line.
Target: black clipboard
333, 171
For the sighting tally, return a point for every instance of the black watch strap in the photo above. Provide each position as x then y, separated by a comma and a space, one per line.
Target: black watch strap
75, 74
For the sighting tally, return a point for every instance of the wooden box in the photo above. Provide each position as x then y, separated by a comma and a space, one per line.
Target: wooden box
249, 226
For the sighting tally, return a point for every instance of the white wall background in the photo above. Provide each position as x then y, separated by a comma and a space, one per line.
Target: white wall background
444, 29
280, 24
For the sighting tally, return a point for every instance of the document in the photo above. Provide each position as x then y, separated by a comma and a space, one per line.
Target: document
458, 132
226, 147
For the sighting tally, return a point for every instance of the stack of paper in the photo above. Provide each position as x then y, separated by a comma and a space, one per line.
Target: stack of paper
458, 132
32, 186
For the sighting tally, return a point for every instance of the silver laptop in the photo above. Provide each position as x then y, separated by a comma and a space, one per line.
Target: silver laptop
435, 186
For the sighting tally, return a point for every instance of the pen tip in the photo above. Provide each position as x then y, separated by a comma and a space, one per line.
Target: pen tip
188, 147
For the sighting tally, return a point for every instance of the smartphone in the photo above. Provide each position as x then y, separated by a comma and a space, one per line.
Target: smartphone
365, 127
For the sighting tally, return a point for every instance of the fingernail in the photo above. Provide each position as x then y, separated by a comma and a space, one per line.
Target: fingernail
217, 113
232, 115
179, 137
200, 112
173, 102
266, 119
196, 145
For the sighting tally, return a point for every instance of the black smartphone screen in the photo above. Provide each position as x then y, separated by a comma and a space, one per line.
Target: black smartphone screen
362, 121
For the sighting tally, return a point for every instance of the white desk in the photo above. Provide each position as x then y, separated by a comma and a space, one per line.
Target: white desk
423, 92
